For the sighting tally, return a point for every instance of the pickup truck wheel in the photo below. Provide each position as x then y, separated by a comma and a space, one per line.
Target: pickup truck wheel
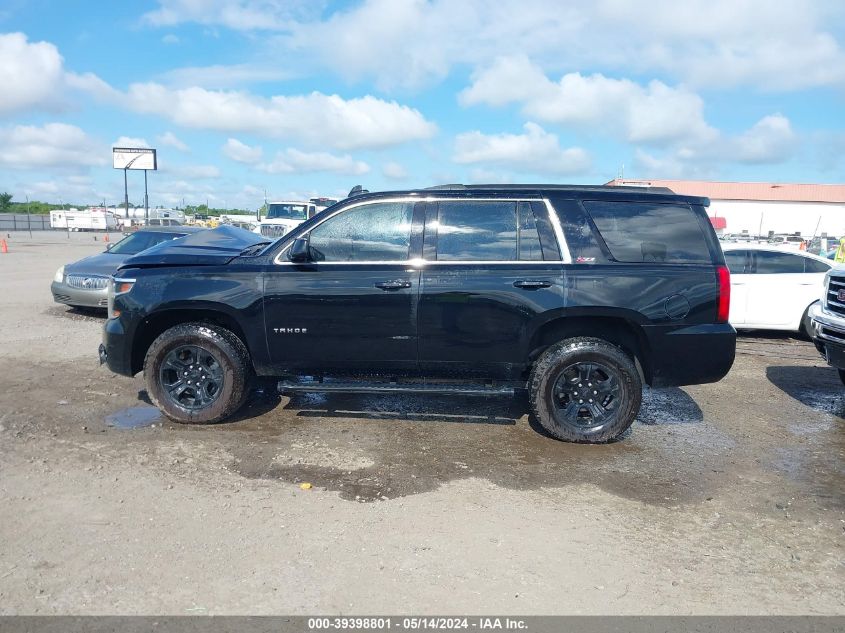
197, 373
585, 390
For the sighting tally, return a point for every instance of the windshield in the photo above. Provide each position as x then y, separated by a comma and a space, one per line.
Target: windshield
284, 211
141, 241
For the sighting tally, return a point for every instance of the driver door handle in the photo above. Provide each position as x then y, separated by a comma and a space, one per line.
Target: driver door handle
532, 284
396, 284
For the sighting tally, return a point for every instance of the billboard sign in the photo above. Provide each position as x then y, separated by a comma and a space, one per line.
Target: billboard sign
134, 158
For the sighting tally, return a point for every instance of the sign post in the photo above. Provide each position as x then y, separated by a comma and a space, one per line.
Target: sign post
127, 158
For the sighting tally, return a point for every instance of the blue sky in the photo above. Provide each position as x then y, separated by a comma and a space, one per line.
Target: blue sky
303, 98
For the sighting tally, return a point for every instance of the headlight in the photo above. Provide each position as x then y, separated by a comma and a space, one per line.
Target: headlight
117, 286
59, 277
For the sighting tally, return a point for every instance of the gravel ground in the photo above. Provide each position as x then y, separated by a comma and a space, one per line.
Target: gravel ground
723, 499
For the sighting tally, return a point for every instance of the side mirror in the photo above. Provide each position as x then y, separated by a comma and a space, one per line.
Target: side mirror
108, 246
299, 251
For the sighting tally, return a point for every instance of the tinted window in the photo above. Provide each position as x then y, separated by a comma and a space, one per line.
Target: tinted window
738, 262
769, 263
579, 234
650, 232
528, 238
375, 232
813, 266
476, 231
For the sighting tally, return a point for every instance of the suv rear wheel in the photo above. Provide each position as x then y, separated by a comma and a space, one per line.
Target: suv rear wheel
585, 390
197, 373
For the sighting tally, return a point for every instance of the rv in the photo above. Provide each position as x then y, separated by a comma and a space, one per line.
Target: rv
92, 219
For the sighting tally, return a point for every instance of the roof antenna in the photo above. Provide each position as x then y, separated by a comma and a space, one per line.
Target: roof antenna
357, 190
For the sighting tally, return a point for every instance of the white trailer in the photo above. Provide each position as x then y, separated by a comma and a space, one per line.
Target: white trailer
136, 216
94, 219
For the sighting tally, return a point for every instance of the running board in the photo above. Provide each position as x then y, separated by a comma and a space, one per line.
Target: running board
441, 388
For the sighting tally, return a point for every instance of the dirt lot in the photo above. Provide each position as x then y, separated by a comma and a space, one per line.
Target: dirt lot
724, 498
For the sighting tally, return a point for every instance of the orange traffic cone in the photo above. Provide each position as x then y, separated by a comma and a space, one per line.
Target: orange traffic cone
3, 247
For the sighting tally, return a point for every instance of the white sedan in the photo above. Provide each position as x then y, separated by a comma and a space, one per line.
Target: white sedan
772, 288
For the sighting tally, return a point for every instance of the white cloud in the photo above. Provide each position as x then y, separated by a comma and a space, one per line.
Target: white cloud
198, 172
714, 43
170, 38
770, 140
241, 152
31, 74
394, 171
295, 161
55, 145
655, 113
316, 118
225, 76
169, 139
535, 151
130, 141
241, 15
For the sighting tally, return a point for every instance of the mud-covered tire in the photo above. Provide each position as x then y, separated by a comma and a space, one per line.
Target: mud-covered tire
231, 363
552, 374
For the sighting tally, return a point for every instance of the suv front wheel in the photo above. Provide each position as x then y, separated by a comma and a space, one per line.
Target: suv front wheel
197, 373
585, 390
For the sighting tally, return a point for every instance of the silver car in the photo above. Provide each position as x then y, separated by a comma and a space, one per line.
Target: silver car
84, 283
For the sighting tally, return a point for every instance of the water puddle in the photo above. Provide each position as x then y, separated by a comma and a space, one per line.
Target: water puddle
134, 418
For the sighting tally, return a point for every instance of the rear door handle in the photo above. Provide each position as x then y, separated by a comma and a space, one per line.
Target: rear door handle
532, 284
396, 284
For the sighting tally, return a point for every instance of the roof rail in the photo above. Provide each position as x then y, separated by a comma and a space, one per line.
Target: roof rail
453, 187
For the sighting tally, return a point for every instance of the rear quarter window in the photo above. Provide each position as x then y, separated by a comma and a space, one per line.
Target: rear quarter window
650, 232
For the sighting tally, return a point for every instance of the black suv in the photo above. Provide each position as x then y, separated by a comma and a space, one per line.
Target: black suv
577, 294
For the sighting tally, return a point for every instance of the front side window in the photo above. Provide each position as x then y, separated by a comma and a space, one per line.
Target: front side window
738, 262
769, 263
650, 232
378, 232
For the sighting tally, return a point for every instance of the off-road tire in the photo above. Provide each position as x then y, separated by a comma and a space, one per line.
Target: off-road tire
226, 347
555, 360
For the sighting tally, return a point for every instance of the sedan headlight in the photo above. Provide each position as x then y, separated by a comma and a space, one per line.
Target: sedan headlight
59, 277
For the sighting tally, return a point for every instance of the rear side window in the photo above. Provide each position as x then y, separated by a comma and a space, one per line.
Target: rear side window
650, 232
498, 230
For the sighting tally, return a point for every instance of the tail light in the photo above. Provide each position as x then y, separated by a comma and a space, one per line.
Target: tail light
723, 276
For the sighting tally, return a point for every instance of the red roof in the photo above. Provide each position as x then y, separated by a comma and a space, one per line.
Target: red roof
744, 190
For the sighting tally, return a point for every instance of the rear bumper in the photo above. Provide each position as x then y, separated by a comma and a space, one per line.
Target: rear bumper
828, 336
62, 293
691, 355
116, 348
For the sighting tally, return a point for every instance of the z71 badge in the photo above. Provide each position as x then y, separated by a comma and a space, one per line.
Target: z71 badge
290, 330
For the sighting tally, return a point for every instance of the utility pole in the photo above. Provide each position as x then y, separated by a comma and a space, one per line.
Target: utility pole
146, 202
28, 217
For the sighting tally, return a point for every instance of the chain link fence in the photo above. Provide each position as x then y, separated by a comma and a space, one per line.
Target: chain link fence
24, 222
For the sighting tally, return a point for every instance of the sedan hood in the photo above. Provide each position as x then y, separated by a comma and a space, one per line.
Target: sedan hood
104, 264
205, 248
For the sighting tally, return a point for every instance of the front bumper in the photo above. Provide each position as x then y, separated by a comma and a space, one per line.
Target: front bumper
116, 349
62, 293
828, 335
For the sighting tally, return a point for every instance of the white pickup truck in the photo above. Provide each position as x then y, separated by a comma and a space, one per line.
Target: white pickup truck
828, 320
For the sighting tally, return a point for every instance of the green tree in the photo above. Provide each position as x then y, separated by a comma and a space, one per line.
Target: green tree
5, 202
